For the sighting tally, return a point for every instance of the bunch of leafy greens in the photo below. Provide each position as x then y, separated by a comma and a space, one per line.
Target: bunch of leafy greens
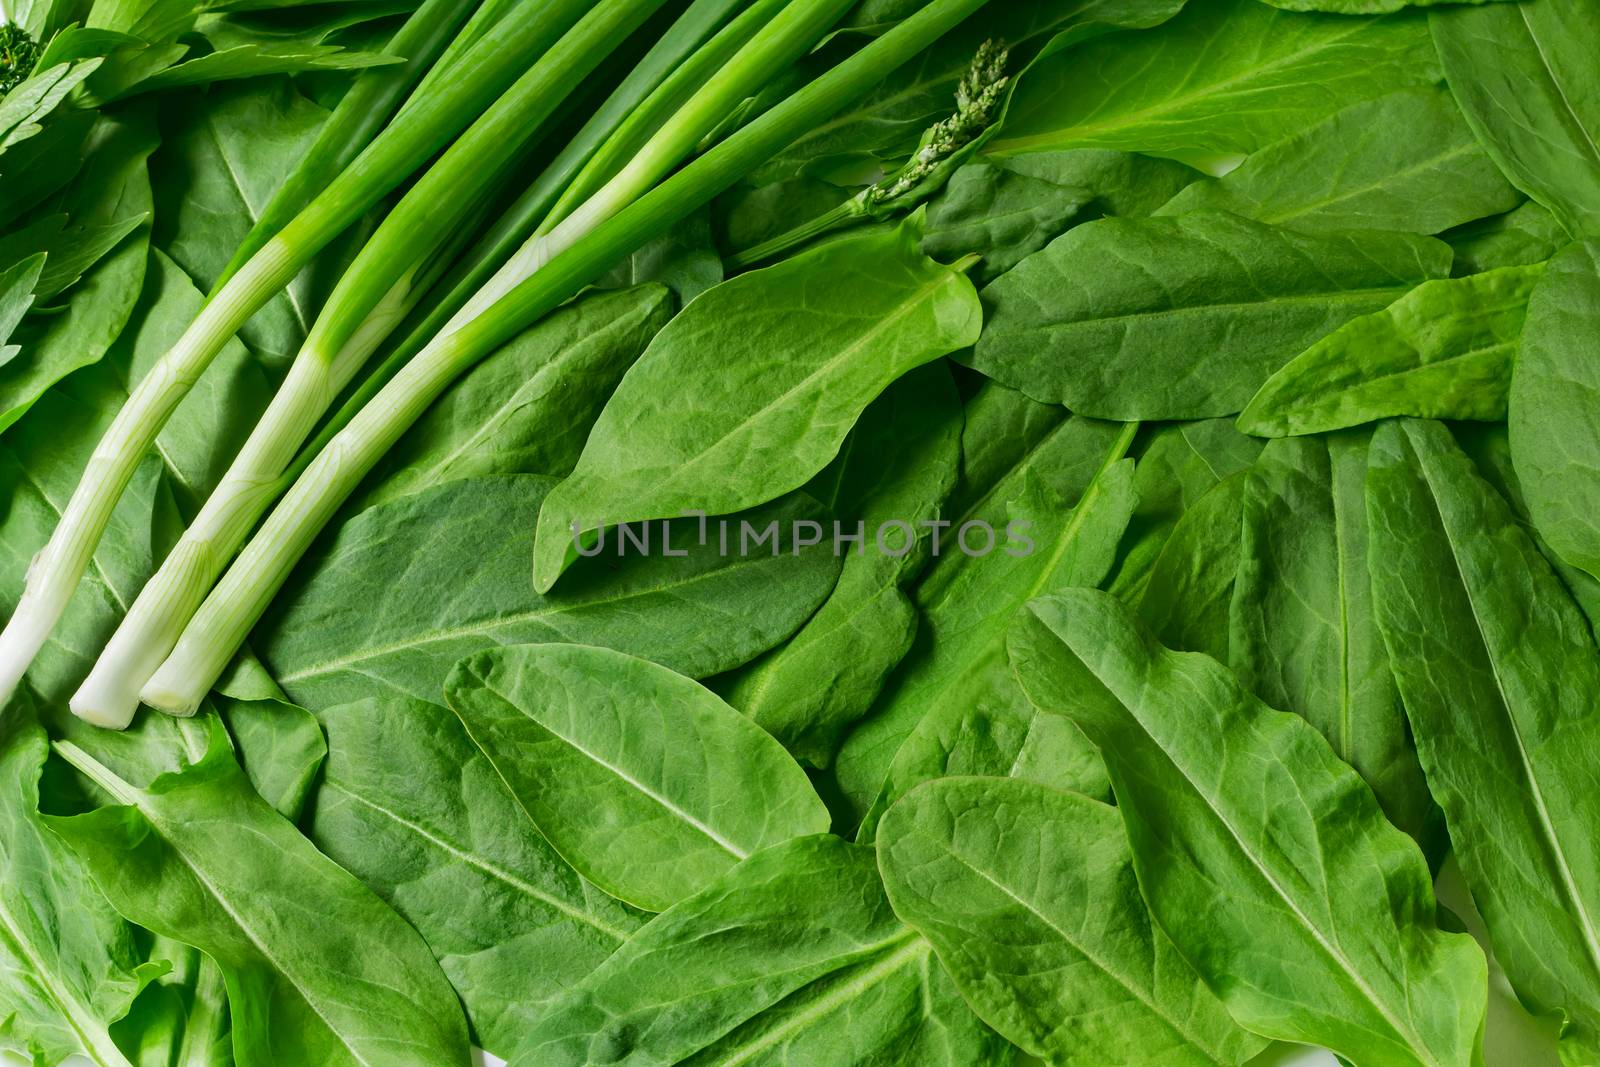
829, 532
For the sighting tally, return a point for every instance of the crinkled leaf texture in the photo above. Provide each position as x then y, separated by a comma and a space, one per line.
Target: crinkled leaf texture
1555, 407
1184, 317
408, 588
1029, 897
642, 779
794, 956
1444, 350
1502, 684
1264, 857
690, 429
317, 969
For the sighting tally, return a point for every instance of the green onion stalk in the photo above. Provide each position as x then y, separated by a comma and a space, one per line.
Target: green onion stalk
219, 628
109, 696
371, 300
638, 109
422, 128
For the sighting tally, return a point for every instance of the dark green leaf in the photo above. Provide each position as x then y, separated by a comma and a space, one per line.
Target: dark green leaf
1183, 318
365, 614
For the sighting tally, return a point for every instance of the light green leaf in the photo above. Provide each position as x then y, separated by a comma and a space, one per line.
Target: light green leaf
1244, 815
1525, 78
528, 408
16, 297
1223, 77
1444, 350
68, 964
647, 783
1504, 722
723, 978
25, 107
1304, 636
1028, 895
1526, 235
366, 615
1177, 465
1406, 161
1555, 394
446, 844
1184, 318
317, 969
1190, 590
959, 661
688, 430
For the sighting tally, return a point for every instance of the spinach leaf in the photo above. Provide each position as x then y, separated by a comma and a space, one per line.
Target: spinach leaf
1489, 445
1444, 350
885, 125
1006, 209
318, 970
1184, 318
1362, 7
968, 604
1523, 236
721, 978
1524, 77
1028, 895
645, 782
1556, 383
528, 408
1189, 596
1223, 77
16, 296
414, 810
1305, 637
688, 431
365, 616
1177, 465
1245, 816
68, 964
1460, 583
99, 305
897, 465
1351, 172
224, 156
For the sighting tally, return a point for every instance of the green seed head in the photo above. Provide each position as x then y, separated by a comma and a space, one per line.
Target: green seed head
18, 52
977, 99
